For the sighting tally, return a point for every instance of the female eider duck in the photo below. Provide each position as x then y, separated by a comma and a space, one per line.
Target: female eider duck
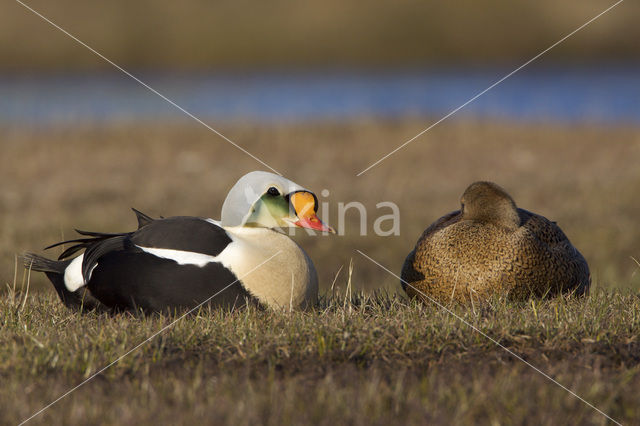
489, 248
180, 262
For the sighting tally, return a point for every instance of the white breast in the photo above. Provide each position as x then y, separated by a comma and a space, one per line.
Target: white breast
288, 280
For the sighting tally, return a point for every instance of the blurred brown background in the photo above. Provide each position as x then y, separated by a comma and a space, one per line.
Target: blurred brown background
239, 34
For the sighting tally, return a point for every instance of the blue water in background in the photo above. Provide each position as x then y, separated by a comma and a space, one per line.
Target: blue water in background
603, 94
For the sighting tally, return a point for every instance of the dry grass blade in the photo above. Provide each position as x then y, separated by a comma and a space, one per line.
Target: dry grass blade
26, 293
335, 278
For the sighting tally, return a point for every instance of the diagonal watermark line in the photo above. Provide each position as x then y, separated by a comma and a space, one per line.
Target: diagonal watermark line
452, 112
44, 18
147, 340
509, 351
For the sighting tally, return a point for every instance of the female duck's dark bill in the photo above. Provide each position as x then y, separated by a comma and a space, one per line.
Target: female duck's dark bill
305, 205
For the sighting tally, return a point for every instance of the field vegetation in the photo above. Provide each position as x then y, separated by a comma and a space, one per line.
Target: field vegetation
369, 358
378, 360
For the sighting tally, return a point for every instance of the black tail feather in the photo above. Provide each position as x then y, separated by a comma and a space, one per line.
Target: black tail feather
83, 243
96, 237
42, 264
97, 234
77, 240
95, 244
80, 299
72, 250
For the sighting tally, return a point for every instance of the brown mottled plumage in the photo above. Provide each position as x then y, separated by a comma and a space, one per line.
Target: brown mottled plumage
491, 247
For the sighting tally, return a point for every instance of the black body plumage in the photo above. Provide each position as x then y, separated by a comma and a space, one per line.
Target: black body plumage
121, 275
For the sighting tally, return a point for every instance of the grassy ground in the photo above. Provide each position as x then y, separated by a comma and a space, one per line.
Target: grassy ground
381, 360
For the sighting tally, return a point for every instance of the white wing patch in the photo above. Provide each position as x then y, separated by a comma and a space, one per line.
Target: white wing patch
73, 278
180, 256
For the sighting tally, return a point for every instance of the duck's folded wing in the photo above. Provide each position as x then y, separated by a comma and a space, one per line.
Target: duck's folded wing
183, 233
446, 220
94, 252
189, 236
169, 263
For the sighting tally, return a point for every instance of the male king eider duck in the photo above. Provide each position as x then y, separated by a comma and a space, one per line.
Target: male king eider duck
490, 247
180, 262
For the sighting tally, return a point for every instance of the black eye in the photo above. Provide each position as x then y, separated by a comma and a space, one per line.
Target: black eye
273, 191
